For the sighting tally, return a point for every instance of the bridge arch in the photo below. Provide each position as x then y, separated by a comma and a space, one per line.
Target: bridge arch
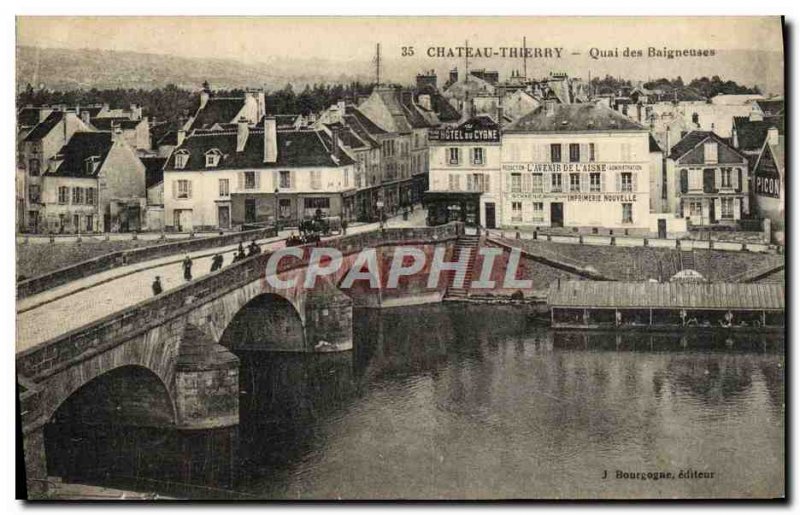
83, 431
267, 322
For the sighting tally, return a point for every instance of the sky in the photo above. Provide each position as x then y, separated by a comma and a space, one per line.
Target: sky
353, 39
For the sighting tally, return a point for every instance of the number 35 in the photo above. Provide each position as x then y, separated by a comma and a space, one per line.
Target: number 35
407, 51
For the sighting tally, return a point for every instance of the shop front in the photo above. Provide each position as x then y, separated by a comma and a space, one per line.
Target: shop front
444, 207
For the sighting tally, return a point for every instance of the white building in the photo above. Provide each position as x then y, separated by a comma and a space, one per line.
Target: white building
464, 182
218, 179
576, 165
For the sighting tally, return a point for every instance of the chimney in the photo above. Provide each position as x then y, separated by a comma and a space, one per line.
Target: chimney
136, 112
181, 136
85, 117
772, 136
550, 108
500, 115
204, 96
116, 133
342, 109
336, 149
270, 140
454, 75
242, 132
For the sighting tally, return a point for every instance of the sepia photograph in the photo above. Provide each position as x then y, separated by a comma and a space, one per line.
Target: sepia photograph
400, 258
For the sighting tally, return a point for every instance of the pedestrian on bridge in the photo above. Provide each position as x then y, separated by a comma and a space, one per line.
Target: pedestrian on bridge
157, 289
216, 262
187, 268
253, 249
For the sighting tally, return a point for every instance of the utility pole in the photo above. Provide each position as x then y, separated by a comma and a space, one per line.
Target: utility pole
466, 60
378, 65
524, 59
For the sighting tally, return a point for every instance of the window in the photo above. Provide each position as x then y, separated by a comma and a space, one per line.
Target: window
33, 167
591, 152
250, 180
727, 174
181, 158
626, 179
477, 156
212, 158
77, 195
89, 222
574, 182
710, 152
695, 179
537, 183
316, 179
34, 193
454, 182
91, 196
574, 153
695, 208
224, 188
516, 211
184, 189
627, 213
516, 183
555, 182
285, 180
346, 177
317, 203
594, 182
538, 212
555, 153
452, 155
478, 182
91, 164
727, 208
63, 195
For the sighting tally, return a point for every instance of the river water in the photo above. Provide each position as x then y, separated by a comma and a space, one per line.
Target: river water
475, 402
444, 402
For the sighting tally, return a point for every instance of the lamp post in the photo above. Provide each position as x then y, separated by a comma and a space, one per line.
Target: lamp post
277, 225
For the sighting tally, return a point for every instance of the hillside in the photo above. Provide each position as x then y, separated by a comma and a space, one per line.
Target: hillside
62, 69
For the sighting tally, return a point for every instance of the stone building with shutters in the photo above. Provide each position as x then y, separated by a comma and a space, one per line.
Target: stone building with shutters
707, 181
464, 182
583, 166
223, 179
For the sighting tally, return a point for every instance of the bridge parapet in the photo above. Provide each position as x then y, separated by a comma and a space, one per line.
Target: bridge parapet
49, 357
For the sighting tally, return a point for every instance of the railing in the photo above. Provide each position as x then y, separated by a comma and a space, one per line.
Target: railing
55, 354
112, 260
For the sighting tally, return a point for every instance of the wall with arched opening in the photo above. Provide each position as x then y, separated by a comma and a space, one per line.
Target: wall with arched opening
268, 322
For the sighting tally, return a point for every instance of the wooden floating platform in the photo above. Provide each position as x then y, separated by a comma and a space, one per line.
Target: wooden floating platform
671, 306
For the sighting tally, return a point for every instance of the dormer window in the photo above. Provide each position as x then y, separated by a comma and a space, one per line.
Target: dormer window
212, 158
90, 164
181, 158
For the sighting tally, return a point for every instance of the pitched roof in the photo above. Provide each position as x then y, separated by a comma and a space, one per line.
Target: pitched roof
82, 146
384, 109
574, 118
106, 124
28, 116
348, 136
217, 110
439, 104
771, 107
153, 170
654, 146
300, 148
752, 133
694, 138
364, 122
169, 138
43, 128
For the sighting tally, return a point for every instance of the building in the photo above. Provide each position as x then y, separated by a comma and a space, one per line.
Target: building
94, 183
519, 103
220, 179
465, 173
215, 110
36, 150
769, 180
576, 165
154, 184
707, 180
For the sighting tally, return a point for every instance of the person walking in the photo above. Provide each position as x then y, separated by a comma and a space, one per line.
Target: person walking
157, 289
187, 268
216, 262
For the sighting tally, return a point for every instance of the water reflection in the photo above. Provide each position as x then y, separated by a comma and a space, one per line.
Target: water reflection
473, 402
443, 402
